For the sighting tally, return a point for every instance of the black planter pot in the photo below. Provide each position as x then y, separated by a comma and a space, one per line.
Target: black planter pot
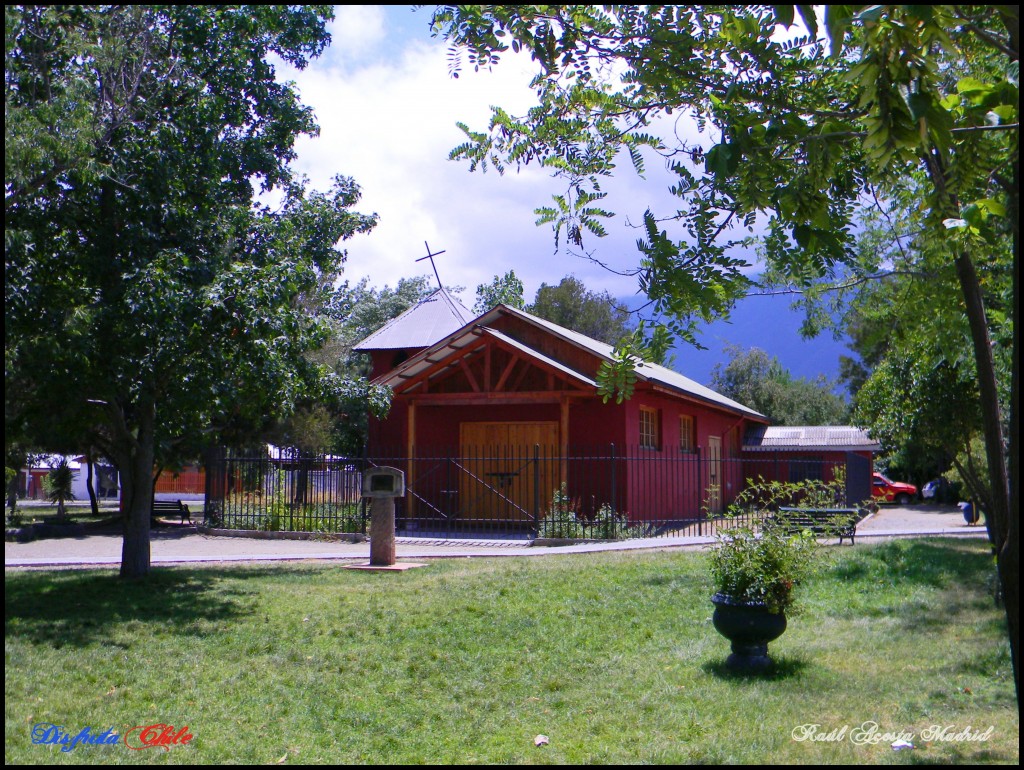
749, 626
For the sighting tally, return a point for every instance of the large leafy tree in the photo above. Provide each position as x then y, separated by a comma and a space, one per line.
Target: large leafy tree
502, 290
799, 133
912, 375
568, 303
571, 304
151, 306
761, 382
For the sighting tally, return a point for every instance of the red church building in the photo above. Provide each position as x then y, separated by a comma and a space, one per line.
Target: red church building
497, 418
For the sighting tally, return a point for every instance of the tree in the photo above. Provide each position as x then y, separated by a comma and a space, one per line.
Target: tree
801, 133
759, 381
925, 415
502, 290
574, 306
151, 307
58, 485
919, 401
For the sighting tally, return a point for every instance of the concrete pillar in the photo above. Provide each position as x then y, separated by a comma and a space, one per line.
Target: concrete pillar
382, 531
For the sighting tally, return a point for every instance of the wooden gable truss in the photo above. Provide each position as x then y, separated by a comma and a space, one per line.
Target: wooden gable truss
490, 368
495, 369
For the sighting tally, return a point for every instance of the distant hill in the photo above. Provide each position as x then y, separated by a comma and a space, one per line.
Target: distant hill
767, 323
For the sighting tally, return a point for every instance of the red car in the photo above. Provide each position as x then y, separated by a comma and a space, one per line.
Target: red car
893, 491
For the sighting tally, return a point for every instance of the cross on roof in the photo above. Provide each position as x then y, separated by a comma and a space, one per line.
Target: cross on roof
431, 258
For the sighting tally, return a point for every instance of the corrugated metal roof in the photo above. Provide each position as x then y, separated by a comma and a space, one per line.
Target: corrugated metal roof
762, 438
428, 321
652, 373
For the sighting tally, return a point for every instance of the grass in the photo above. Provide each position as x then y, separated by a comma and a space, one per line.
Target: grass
77, 511
611, 656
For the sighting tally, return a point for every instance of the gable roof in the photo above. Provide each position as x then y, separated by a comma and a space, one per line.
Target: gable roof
426, 322
646, 372
837, 438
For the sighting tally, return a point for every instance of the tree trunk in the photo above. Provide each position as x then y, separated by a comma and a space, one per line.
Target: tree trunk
989, 392
12, 491
1009, 555
1005, 514
90, 484
137, 498
302, 477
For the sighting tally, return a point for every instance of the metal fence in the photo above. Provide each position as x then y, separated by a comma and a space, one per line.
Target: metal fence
525, 492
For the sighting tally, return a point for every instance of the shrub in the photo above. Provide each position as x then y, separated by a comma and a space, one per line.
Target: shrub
762, 564
58, 485
561, 519
565, 520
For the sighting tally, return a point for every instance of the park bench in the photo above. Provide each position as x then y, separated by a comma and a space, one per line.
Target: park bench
171, 508
828, 522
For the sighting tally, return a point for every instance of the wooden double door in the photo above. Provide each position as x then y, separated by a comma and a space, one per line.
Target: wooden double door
507, 470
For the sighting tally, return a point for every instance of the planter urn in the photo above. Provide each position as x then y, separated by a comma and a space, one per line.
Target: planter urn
749, 626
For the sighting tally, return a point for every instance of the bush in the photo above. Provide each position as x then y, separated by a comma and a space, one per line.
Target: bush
561, 519
565, 520
762, 564
328, 519
58, 485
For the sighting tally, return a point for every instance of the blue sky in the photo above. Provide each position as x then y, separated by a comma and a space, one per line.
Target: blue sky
387, 108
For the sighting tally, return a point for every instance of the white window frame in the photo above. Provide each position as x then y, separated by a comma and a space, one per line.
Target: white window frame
687, 433
649, 428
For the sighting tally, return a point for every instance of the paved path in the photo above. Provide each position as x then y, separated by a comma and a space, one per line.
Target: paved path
186, 546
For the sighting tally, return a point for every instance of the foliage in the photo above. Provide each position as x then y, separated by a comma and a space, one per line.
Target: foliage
797, 132
572, 305
609, 524
918, 400
561, 519
502, 290
969, 474
151, 307
922, 412
564, 519
58, 485
756, 380
281, 516
762, 568
765, 560
333, 417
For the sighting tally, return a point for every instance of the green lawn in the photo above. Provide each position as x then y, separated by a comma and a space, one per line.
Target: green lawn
79, 512
613, 657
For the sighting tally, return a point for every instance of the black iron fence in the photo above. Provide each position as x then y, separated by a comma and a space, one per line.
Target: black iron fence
512, 492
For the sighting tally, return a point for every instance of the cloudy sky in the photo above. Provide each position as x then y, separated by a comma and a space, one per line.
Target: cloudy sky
387, 109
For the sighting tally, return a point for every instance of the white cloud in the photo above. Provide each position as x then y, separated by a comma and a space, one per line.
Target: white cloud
356, 29
387, 119
387, 107
390, 125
